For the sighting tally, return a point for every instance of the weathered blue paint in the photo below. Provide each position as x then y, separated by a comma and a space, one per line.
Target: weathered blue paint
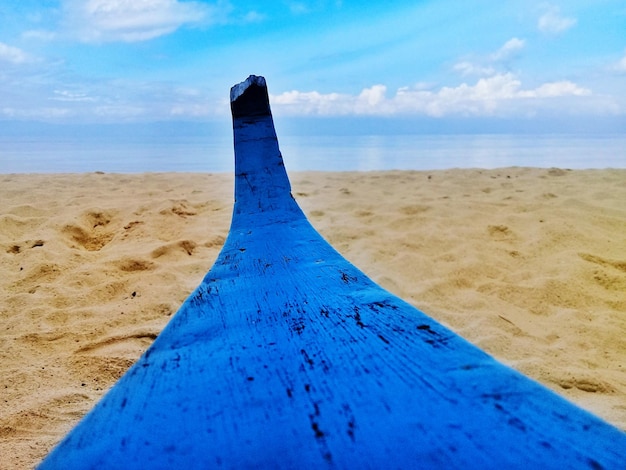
287, 356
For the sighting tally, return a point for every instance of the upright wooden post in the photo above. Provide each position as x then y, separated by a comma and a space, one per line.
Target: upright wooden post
287, 356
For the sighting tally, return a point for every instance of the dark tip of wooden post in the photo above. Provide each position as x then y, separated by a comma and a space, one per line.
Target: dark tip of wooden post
261, 183
250, 98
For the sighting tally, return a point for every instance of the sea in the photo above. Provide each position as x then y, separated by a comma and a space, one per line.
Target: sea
199, 153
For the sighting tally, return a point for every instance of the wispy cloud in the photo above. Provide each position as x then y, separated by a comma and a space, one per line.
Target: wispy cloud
71, 96
131, 20
94, 100
13, 55
510, 49
553, 22
489, 65
500, 94
466, 68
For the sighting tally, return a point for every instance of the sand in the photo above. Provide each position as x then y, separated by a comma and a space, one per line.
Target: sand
529, 264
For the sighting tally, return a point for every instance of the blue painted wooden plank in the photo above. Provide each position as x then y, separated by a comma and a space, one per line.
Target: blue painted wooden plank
287, 356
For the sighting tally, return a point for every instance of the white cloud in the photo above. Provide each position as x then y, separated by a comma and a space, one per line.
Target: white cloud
64, 95
553, 22
313, 102
374, 96
510, 49
131, 20
500, 94
13, 54
488, 65
466, 68
556, 89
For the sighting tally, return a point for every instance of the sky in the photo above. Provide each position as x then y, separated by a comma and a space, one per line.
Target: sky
438, 64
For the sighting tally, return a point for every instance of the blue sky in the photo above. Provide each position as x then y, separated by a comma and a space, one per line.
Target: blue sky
122, 61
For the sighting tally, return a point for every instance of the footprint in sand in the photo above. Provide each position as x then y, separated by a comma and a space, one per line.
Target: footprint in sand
186, 247
131, 265
500, 232
92, 233
180, 208
619, 265
18, 247
585, 384
414, 209
609, 274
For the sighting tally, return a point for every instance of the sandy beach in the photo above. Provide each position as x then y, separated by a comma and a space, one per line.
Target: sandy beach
529, 264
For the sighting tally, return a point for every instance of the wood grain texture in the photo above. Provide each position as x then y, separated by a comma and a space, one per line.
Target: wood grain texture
287, 356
